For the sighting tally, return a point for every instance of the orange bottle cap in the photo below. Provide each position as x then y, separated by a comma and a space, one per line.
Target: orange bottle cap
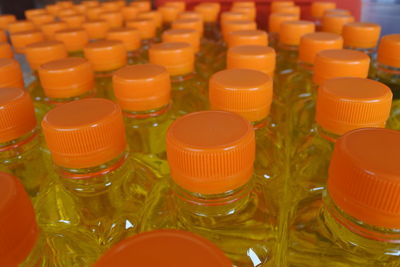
129, 37
275, 5
318, 8
67, 12
41, 19
49, 29
90, 3
335, 63
74, 21
20, 40
20, 26
295, 10
33, 12
250, 12
276, 19
45, 51
192, 24
17, 113
143, 6
81, 9
73, 39
246, 92
335, 22
181, 5
361, 34
247, 37
312, 43
142, 87
111, 6
146, 27
349, 103
3, 36
53, 9
211, 152
84, 133
96, 29
129, 12
10, 73
6, 19
257, 57
246, 4
65, 4
114, 19
209, 11
169, 13
364, 176
389, 50
106, 55
290, 32
190, 15
337, 11
177, 58
191, 37
94, 13
17, 221
5, 50
237, 25
232, 16
153, 15
174, 248
65, 78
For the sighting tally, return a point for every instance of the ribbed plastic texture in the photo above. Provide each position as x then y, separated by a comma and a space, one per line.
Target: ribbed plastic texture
106, 55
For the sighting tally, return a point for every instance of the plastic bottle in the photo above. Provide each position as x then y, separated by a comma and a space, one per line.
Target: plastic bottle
318, 9
96, 29
49, 29
6, 19
129, 12
131, 39
37, 54
10, 73
74, 21
276, 5
274, 23
143, 92
188, 88
211, 156
20, 26
93, 13
334, 22
157, 19
74, 40
20, 142
147, 30
95, 177
142, 6
174, 248
114, 19
356, 223
295, 10
388, 67
209, 12
6, 50
23, 244
29, 13
169, 14
247, 37
39, 20
106, 57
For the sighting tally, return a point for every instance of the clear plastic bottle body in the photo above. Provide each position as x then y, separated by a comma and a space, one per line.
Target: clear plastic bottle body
135, 57
104, 85
323, 235
78, 53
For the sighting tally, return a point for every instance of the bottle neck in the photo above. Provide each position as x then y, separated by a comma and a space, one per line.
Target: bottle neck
20, 145
349, 229
261, 124
288, 48
368, 51
327, 135
213, 205
182, 77
59, 101
147, 114
305, 67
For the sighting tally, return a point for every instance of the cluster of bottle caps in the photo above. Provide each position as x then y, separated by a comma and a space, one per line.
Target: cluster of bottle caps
132, 136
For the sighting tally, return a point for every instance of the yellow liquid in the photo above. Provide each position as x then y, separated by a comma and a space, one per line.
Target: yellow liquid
23, 158
76, 54
212, 32
104, 86
135, 57
323, 235
240, 222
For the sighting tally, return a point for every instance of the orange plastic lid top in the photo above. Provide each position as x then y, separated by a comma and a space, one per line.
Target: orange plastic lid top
65, 4
193, 24
291, 32
17, 114
361, 34
6, 19
177, 58
84, 133
5, 50
250, 12
111, 6
335, 63
20, 40
312, 43
129, 37
246, 92
190, 15
3, 36
45, 51
94, 13
10, 73
90, 3
245, 4
20, 26
318, 8
114, 19
153, 15
364, 176
247, 37
74, 21
142, 87
53, 9
146, 27
181, 5
175, 248
107, 55
143, 6
96, 29
169, 13
41, 19
276, 19
65, 78
257, 57
73, 39
231, 16
237, 25
189, 36
334, 22
67, 12
337, 11
33, 12
49, 29
211, 152
17, 221
295, 10
208, 11
275, 5
129, 12
349, 103
389, 50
